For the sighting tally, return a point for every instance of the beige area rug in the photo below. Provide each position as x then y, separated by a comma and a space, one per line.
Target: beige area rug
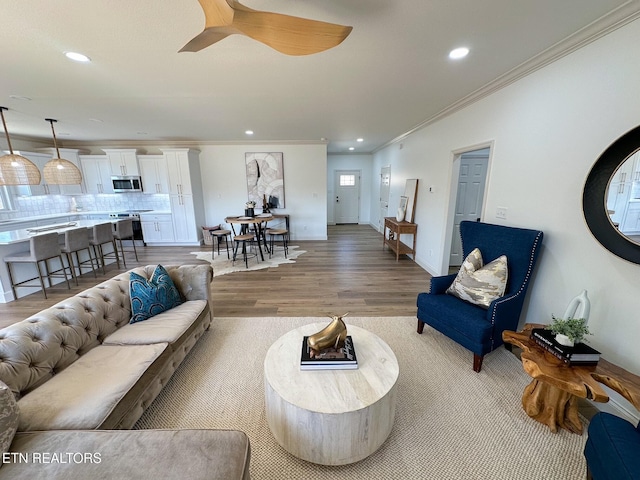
222, 265
451, 423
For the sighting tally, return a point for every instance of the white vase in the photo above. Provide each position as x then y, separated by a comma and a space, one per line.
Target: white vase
564, 340
400, 214
579, 307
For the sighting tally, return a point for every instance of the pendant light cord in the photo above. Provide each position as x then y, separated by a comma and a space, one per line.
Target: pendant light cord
4, 125
55, 142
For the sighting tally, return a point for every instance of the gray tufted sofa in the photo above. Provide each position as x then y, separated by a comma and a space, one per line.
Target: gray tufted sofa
81, 373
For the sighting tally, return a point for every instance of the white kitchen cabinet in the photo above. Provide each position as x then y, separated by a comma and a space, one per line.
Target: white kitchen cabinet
157, 228
123, 161
154, 173
181, 165
185, 194
623, 188
96, 170
631, 222
184, 222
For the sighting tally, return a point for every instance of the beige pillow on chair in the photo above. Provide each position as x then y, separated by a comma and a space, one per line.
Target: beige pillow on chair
480, 284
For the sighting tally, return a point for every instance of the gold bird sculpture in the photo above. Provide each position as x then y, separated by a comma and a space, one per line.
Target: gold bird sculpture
284, 33
331, 336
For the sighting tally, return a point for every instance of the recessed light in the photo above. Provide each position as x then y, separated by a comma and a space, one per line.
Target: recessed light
352, 148
19, 97
249, 132
360, 140
77, 57
458, 53
97, 120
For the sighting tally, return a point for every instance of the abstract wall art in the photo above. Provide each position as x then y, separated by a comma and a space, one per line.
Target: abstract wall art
265, 178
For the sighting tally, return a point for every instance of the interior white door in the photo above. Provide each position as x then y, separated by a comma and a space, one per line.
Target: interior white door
385, 183
471, 184
347, 201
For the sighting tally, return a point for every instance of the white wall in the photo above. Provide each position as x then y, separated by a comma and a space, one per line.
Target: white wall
547, 130
363, 163
305, 182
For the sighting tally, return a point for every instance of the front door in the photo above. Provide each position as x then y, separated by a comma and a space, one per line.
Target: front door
347, 201
469, 198
385, 182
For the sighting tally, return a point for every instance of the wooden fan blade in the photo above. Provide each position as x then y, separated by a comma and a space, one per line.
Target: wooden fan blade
284, 33
217, 13
287, 34
208, 37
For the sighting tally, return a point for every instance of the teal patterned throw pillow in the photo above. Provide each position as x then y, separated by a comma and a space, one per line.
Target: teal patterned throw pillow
151, 297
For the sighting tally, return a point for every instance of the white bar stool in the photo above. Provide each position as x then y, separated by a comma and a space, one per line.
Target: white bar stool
123, 230
75, 241
101, 234
42, 248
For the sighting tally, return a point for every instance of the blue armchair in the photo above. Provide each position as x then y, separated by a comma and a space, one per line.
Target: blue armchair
612, 450
476, 328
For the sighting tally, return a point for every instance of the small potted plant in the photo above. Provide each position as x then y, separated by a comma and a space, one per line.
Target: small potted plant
569, 331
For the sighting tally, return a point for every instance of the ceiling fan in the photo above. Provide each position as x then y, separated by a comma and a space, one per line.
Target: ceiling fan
284, 33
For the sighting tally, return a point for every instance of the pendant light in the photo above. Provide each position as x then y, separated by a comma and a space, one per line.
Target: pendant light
16, 169
59, 171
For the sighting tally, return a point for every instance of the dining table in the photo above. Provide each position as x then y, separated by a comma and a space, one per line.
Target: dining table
259, 221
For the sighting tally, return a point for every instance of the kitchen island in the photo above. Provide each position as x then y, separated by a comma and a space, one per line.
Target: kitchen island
14, 241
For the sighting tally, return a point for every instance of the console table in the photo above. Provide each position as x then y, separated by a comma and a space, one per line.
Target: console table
551, 398
391, 236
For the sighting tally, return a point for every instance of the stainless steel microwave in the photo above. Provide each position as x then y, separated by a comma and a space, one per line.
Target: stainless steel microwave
128, 183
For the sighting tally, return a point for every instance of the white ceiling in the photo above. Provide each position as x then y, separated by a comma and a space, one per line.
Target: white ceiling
389, 76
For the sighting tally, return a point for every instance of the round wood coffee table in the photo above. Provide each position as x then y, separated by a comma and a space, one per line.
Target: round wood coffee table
330, 417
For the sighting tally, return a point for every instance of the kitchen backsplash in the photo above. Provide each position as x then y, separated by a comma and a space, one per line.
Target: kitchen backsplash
31, 206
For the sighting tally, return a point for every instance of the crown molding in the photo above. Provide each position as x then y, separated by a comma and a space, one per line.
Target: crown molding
181, 143
615, 19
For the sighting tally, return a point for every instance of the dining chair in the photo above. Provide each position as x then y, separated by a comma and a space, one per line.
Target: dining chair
75, 241
217, 236
123, 230
247, 240
278, 232
102, 234
42, 248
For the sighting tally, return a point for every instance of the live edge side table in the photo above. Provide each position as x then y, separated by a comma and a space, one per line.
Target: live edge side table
552, 397
391, 236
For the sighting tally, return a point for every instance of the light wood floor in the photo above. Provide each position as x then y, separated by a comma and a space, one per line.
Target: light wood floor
350, 272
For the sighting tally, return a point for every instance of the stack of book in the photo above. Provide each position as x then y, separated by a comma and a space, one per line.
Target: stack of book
343, 358
579, 354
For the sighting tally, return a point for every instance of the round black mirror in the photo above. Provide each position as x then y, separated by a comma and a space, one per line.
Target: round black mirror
608, 180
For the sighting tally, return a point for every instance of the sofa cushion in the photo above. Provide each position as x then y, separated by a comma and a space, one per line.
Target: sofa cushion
83, 395
153, 296
8, 418
192, 454
480, 284
164, 327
